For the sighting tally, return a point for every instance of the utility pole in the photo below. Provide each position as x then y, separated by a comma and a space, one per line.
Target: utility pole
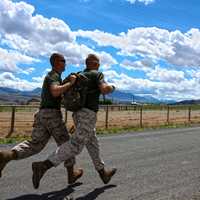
132, 102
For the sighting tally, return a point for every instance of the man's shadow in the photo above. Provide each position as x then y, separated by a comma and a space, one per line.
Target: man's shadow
60, 195
55, 195
96, 192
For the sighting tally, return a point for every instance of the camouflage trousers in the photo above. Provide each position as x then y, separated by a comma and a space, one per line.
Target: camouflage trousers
47, 123
84, 135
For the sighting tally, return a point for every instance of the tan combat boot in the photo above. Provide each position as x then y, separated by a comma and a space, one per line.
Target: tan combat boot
106, 175
5, 157
39, 169
74, 175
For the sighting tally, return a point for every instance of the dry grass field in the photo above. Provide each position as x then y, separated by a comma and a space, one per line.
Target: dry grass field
116, 118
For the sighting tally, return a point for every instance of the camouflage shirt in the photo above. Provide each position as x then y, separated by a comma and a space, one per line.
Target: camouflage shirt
47, 100
95, 79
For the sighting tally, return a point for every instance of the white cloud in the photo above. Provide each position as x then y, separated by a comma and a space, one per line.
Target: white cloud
146, 2
106, 60
176, 48
30, 70
39, 79
17, 18
75, 54
125, 82
10, 60
7, 76
28, 36
143, 65
184, 89
165, 75
31, 34
37, 36
8, 79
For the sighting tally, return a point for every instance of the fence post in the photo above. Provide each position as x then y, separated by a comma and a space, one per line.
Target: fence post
65, 116
189, 114
141, 117
167, 115
12, 124
106, 124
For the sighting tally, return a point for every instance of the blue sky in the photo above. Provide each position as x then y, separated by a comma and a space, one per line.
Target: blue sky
148, 47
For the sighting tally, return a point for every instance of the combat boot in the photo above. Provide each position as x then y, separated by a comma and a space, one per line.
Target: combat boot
106, 175
73, 175
5, 157
39, 169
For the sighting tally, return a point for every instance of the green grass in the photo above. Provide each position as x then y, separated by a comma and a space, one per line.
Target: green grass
103, 131
138, 129
14, 139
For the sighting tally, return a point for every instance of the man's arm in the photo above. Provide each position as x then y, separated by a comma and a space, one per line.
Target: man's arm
106, 88
58, 90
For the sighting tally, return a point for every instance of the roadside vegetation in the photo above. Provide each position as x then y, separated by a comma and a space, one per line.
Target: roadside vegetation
102, 132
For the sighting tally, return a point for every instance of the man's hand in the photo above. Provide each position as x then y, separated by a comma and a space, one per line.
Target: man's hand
57, 90
72, 79
113, 88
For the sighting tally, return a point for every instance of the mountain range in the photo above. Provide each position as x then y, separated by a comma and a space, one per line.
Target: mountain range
14, 96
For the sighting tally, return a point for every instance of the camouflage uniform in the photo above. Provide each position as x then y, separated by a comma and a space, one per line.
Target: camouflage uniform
47, 122
85, 134
85, 122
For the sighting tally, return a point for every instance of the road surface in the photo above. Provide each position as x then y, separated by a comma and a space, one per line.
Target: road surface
153, 165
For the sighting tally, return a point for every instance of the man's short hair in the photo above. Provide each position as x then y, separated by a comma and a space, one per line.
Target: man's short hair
53, 58
91, 59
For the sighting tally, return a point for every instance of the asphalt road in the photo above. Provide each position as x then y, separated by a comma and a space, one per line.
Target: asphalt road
156, 165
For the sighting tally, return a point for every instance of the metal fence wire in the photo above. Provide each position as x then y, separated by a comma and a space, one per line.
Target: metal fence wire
18, 120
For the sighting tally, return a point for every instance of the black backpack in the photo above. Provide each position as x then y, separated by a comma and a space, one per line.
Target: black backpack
74, 99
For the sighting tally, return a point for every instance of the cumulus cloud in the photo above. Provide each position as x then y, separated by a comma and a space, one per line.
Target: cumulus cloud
18, 18
177, 90
37, 36
8, 79
26, 36
75, 54
39, 79
165, 75
175, 47
10, 60
125, 82
146, 2
144, 64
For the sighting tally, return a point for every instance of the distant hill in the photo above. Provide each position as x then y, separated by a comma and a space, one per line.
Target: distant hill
128, 97
5, 90
122, 96
13, 96
187, 102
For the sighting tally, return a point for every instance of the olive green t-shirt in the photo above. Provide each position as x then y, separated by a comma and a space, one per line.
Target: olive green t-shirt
93, 92
47, 100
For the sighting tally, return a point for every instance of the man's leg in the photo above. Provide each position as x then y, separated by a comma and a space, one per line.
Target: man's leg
61, 135
64, 153
39, 138
94, 152
93, 148
5, 157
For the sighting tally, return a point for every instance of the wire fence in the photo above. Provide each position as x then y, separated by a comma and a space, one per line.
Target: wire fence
18, 120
